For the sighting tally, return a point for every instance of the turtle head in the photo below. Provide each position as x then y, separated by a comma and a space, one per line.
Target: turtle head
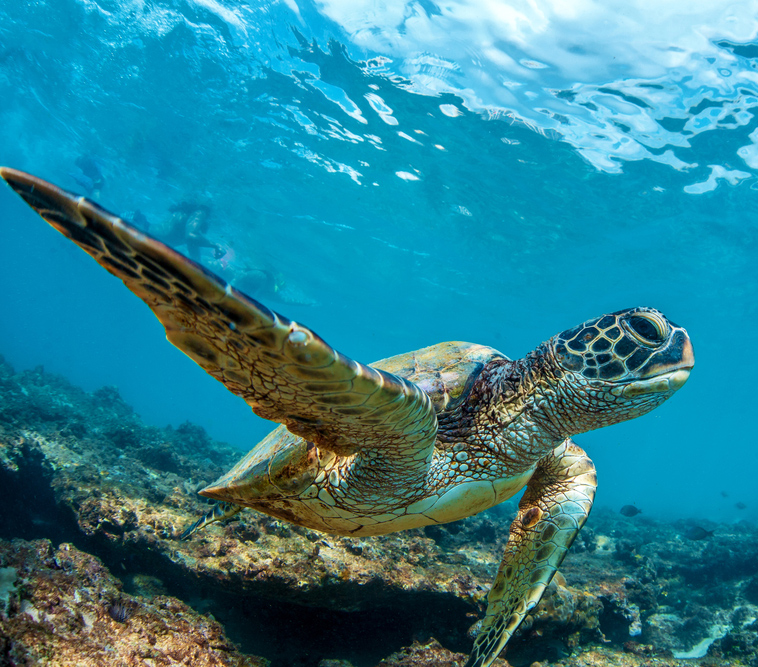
617, 367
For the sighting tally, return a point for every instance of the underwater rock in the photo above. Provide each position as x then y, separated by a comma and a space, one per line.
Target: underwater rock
64, 608
751, 591
429, 654
741, 641
662, 629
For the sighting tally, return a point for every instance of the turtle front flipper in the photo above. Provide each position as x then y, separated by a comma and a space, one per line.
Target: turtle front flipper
220, 511
283, 370
555, 506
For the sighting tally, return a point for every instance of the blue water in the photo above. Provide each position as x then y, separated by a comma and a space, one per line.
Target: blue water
420, 171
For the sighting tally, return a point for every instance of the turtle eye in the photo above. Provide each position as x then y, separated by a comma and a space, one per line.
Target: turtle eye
648, 330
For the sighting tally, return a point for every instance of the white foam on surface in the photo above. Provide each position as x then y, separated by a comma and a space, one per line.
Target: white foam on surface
580, 69
718, 173
606, 77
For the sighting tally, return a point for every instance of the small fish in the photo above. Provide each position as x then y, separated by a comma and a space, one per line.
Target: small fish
698, 533
630, 510
724, 494
740, 505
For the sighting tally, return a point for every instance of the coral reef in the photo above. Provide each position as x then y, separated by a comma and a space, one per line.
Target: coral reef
83, 469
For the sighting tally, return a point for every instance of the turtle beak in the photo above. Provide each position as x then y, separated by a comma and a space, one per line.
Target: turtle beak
679, 377
668, 382
688, 354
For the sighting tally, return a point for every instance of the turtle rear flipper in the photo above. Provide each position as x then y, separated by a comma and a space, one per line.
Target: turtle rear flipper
283, 370
555, 506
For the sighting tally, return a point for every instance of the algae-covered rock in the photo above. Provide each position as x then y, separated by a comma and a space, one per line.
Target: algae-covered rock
66, 609
429, 654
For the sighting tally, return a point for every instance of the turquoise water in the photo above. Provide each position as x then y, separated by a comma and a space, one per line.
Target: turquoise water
414, 172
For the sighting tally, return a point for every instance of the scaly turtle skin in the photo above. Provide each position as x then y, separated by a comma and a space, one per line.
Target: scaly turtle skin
421, 438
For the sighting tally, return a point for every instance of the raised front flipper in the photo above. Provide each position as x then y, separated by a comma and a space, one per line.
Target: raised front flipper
283, 370
555, 506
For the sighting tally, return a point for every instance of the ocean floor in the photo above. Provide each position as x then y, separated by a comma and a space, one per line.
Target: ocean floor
92, 571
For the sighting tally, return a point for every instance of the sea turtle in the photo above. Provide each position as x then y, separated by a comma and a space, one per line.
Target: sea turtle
422, 438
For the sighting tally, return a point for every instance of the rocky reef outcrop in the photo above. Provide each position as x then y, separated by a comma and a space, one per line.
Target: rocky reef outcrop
61, 607
85, 475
